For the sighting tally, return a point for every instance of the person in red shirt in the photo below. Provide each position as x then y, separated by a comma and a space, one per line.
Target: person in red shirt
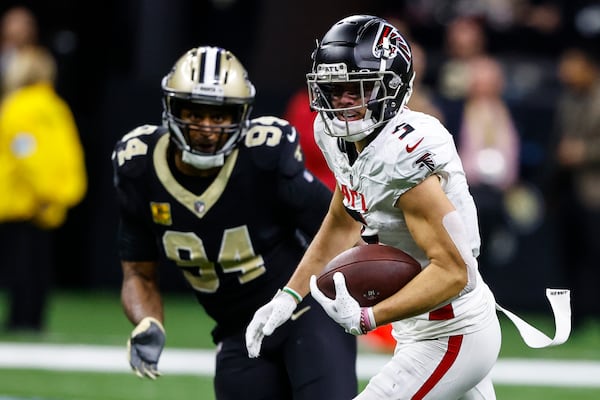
300, 115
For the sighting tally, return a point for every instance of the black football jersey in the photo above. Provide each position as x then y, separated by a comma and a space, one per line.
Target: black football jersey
236, 236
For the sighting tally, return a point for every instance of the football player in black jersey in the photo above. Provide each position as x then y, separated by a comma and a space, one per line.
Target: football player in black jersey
228, 201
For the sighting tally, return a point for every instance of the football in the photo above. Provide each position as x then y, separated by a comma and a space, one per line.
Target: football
373, 272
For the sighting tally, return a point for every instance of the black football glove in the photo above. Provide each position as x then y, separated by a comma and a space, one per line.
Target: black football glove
144, 347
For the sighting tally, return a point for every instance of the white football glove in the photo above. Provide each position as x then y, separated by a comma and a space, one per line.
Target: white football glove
144, 347
344, 309
267, 318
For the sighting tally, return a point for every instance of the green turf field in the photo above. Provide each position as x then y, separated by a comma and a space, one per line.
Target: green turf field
96, 318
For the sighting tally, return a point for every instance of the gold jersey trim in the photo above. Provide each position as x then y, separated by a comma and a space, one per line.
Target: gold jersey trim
198, 205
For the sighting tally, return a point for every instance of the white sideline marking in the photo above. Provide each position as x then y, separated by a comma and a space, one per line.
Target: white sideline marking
526, 372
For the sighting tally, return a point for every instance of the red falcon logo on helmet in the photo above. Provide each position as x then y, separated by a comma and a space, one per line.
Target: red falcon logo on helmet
389, 43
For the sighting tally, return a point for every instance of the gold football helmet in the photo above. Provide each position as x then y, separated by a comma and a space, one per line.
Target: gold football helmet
211, 76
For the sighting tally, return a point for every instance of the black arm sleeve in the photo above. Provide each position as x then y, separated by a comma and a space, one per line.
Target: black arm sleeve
309, 199
135, 241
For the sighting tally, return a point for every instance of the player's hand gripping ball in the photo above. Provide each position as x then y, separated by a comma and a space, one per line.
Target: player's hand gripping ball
373, 272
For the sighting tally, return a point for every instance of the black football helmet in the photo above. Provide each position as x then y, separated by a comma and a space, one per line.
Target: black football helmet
213, 76
370, 52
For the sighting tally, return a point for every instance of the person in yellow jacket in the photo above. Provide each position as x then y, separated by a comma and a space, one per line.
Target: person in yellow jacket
42, 175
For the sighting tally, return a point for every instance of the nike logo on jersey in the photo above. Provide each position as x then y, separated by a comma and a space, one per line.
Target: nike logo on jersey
298, 314
410, 149
292, 136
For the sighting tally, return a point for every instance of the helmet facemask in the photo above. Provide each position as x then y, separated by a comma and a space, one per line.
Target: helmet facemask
229, 135
377, 92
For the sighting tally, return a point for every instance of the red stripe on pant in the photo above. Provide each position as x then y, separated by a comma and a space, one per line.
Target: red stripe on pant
454, 343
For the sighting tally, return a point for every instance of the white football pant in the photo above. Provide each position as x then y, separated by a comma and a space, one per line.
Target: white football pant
450, 368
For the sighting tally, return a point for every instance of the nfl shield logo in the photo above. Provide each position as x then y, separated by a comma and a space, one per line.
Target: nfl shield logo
199, 206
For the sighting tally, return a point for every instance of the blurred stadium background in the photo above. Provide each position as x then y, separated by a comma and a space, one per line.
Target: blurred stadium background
113, 54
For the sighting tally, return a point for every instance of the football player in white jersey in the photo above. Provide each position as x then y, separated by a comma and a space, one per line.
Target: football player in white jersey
400, 182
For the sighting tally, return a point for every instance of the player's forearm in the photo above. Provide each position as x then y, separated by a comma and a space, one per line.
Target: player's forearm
338, 233
435, 285
140, 296
141, 300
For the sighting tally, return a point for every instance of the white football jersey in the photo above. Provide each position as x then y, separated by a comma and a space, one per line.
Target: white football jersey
411, 147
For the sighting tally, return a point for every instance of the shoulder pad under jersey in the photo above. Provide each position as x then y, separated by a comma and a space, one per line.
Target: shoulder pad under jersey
416, 147
274, 144
133, 152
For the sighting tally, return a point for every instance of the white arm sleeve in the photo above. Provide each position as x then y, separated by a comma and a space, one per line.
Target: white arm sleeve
455, 227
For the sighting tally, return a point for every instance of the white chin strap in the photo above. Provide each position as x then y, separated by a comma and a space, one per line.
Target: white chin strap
352, 131
202, 162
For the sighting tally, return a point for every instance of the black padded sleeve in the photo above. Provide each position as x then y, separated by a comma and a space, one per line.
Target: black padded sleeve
135, 241
308, 199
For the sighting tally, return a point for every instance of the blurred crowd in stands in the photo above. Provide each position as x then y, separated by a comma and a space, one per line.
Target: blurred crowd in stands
516, 82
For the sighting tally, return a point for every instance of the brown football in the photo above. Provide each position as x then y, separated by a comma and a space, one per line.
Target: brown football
373, 272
